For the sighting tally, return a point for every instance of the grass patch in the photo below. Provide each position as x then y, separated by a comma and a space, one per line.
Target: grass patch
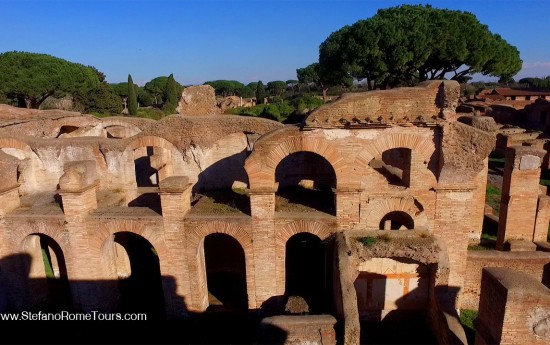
492, 197
478, 247
467, 318
367, 241
222, 201
47, 264
544, 182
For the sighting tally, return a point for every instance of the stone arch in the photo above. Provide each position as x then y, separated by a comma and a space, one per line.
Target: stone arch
284, 234
106, 230
260, 165
419, 145
58, 234
197, 270
378, 208
150, 140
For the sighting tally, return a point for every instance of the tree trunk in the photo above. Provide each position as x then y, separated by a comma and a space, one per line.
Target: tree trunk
325, 89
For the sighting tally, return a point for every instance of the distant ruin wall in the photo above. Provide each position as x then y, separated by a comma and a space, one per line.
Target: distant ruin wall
198, 100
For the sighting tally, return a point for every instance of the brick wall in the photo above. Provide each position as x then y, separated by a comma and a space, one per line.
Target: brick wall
532, 263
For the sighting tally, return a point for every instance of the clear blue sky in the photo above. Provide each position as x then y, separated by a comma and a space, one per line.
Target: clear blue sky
229, 39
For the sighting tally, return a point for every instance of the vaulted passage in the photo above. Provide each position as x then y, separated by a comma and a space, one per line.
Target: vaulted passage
305, 270
49, 286
138, 269
305, 182
225, 273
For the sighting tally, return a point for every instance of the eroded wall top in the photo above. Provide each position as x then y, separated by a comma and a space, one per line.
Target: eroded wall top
427, 103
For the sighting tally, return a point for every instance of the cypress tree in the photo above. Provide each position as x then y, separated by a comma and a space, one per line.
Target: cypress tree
132, 97
171, 95
260, 93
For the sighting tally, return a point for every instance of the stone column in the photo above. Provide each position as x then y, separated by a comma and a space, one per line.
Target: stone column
520, 192
175, 198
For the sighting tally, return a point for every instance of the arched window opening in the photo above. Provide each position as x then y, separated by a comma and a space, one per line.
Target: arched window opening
305, 184
394, 165
396, 220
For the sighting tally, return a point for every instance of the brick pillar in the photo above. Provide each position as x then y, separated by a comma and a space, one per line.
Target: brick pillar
452, 223
512, 308
78, 188
520, 191
348, 203
543, 219
262, 205
175, 197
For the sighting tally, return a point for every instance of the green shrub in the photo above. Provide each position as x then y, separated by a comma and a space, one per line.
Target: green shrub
367, 241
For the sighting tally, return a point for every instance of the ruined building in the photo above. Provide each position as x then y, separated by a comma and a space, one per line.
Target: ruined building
364, 211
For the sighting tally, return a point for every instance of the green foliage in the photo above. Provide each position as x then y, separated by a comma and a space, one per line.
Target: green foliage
145, 99
226, 88
367, 241
260, 93
121, 89
171, 96
276, 88
132, 97
150, 113
29, 78
467, 318
103, 100
155, 88
407, 44
47, 264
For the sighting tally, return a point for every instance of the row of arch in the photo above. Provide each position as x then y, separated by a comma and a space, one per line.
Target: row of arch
261, 166
225, 251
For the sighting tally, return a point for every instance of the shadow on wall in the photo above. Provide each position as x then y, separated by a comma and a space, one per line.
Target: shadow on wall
223, 173
192, 328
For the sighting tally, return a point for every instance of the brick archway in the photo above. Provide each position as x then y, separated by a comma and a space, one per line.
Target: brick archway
261, 165
106, 230
150, 140
420, 147
284, 234
378, 208
197, 270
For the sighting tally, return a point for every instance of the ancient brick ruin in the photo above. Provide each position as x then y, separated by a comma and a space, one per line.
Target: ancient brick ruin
121, 201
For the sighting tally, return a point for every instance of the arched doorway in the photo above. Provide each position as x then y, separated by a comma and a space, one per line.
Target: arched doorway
305, 270
138, 269
396, 220
305, 181
225, 273
48, 282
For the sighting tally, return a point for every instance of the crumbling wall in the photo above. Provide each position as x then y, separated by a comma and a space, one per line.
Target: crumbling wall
198, 100
514, 308
427, 102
